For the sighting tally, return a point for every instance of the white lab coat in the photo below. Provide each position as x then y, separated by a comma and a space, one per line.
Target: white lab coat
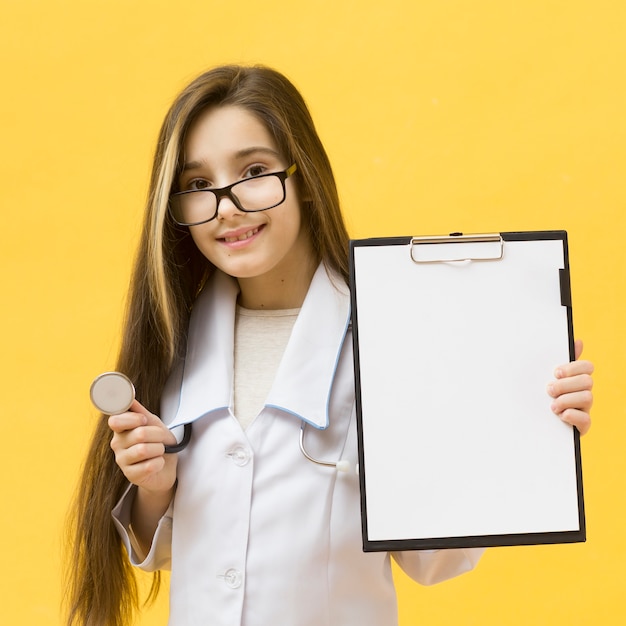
258, 535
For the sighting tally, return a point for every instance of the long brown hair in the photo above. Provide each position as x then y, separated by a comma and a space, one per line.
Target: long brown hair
168, 273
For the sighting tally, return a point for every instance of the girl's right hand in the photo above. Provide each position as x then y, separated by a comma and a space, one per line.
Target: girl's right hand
139, 440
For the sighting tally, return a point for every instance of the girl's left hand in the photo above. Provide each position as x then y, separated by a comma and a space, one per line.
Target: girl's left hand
572, 391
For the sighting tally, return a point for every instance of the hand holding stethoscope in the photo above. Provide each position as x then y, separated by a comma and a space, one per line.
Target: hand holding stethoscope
113, 393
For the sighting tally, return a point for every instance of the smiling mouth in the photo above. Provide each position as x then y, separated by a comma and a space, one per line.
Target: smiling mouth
243, 236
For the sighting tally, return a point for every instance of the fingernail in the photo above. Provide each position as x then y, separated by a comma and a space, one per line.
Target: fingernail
558, 373
550, 389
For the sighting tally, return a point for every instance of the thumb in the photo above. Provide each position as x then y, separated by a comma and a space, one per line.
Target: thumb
153, 420
137, 407
578, 348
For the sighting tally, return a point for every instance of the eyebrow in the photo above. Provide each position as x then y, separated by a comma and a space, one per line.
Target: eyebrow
240, 154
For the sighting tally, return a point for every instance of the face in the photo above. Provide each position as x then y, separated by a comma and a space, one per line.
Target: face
225, 145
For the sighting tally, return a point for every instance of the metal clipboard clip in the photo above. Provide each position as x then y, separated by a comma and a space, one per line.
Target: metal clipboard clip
457, 248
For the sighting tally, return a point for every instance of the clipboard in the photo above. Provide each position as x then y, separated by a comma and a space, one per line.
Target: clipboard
455, 339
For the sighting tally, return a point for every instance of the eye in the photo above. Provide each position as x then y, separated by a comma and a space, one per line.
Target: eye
255, 170
197, 184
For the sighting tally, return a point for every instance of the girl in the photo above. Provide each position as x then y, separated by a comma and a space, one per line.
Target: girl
238, 321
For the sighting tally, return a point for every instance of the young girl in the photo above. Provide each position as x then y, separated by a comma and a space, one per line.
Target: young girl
238, 321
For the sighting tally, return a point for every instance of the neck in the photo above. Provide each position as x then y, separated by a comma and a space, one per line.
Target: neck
280, 290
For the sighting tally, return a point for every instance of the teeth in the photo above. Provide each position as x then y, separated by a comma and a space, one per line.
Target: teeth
242, 237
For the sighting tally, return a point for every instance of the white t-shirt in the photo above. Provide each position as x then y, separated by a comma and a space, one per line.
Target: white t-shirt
261, 337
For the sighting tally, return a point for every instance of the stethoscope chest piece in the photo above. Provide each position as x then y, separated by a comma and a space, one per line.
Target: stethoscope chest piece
112, 393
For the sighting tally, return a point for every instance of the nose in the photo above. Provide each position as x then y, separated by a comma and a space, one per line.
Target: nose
226, 207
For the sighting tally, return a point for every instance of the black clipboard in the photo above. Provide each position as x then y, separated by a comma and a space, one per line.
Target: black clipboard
455, 339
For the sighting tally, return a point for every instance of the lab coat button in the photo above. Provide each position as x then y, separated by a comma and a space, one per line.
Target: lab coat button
232, 578
240, 456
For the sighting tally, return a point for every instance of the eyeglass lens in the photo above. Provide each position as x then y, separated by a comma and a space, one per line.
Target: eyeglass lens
254, 194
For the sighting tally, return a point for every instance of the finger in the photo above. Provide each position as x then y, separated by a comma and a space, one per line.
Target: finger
139, 453
126, 421
578, 348
137, 407
136, 415
141, 472
142, 434
582, 400
153, 420
580, 382
573, 368
577, 418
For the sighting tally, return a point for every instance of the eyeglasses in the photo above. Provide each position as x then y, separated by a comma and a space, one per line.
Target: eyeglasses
257, 193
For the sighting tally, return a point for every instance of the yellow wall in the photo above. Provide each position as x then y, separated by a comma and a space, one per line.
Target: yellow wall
470, 115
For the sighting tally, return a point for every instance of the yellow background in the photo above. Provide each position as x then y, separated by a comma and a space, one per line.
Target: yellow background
439, 116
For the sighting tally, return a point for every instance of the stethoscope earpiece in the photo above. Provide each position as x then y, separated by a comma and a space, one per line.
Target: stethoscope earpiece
343, 465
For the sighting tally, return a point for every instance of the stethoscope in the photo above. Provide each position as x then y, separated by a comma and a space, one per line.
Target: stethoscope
113, 393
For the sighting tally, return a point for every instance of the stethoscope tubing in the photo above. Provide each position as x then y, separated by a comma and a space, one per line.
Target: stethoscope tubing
173, 449
182, 444
307, 455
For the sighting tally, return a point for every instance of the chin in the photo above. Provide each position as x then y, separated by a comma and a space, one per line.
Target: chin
240, 271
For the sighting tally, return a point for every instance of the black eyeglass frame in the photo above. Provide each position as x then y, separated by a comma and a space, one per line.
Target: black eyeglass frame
226, 192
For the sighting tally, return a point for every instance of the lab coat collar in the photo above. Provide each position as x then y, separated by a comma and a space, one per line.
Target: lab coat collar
305, 375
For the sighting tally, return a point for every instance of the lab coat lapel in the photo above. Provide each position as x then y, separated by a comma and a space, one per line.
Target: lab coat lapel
305, 375
304, 378
208, 370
